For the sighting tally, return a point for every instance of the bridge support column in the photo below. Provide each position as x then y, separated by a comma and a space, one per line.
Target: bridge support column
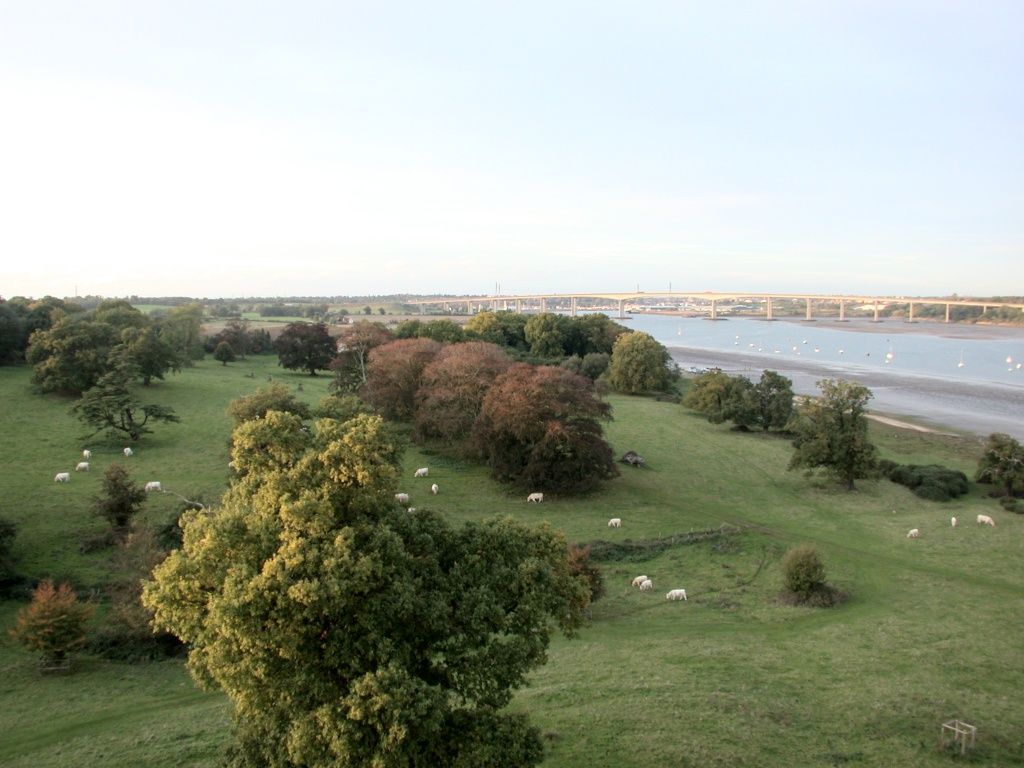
622, 309
543, 304
947, 313
842, 311
469, 307
807, 313
519, 306
714, 309
768, 308
572, 305
910, 314
876, 320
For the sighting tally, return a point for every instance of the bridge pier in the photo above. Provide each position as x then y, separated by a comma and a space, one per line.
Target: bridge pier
519, 306
876, 320
947, 313
768, 308
622, 309
842, 311
807, 314
572, 306
714, 309
469, 307
910, 314
543, 304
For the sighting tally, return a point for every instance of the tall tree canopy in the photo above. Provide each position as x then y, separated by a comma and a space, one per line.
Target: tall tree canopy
709, 394
507, 329
832, 432
539, 427
1002, 463
305, 347
72, 355
354, 345
545, 333
453, 387
348, 633
639, 364
111, 405
394, 374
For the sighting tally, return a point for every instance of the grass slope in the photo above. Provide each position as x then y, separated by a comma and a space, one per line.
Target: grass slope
729, 678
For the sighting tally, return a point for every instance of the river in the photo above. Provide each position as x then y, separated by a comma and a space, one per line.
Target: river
964, 377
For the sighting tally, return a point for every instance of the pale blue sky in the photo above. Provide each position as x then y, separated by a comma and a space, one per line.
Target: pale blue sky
246, 148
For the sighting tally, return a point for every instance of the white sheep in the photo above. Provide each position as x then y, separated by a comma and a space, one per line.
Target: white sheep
646, 585
434, 489
638, 581
952, 522
82, 466
411, 509
62, 477
402, 498
615, 522
913, 533
154, 485
676, 594
986, 520
421, 472
128, 452
535, 498
86, 454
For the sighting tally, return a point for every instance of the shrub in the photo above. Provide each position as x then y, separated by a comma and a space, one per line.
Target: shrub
120, 501
340, 407
274, 397
580, 564
802, 570
53, 623
1011, 504
931, 481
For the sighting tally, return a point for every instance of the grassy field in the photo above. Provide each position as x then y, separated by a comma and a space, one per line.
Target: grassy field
931, 630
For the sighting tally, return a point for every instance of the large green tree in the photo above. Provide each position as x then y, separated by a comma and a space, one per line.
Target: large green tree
305, 347
71, 356
832, 432
545, 333
773, 394
639, 364
709, 393
348, 633
1002, 463
147, 353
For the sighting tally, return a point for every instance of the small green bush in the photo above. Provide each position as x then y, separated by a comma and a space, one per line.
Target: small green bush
931, 481
1011, 504
803, 571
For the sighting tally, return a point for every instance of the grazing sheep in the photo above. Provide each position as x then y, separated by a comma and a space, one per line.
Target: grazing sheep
82, 466
434, 489
402, 498
638, 581
646, 585
86, 454
154, 485
128, 451
986, 520
913, 533
421, 472
411, 509
952, 522
536, 498
62, 477
615, 522
676, 594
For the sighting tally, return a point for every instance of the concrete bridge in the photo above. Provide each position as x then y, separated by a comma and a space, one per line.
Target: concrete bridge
708, 300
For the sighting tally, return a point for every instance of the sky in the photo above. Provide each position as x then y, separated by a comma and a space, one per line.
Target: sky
341, 148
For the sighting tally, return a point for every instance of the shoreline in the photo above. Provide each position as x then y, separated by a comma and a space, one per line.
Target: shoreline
945, 405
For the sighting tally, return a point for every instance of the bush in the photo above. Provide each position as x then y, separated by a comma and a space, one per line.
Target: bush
273, 397
581, 565
120, 501
931, 481
802, 570
54, 623
1011, 504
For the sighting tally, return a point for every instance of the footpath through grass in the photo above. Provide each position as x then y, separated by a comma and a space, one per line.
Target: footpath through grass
729, 678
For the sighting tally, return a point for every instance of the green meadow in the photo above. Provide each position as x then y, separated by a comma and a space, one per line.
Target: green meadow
931, 629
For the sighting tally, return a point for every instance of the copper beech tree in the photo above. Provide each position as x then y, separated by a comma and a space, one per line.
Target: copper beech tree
453, 387
394, 375
347, 632
539, 427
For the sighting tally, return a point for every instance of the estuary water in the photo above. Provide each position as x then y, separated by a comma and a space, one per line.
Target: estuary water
968, 378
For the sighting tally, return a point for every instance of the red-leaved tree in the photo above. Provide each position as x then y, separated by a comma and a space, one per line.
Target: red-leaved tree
539, 427
394, 373
453, 388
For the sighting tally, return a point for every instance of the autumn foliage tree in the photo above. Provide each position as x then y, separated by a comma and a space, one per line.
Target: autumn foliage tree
54, 623
452, 389
394, 373
341, 629
539, 427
